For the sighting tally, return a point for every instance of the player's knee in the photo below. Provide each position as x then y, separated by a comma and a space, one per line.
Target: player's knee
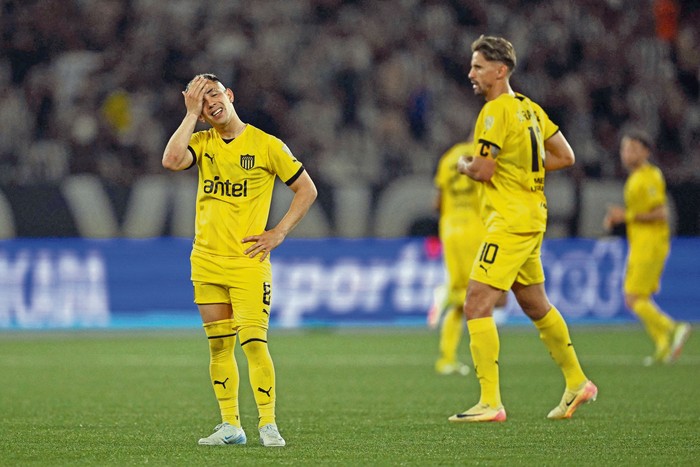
253, 339
532, 300
502, 300
220, 335
456, 297
475, 309
631, 300
218, 347
480, 301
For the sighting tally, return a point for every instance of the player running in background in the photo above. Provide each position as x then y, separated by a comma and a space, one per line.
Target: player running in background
516, 143
230, 258
648, 234
461, 231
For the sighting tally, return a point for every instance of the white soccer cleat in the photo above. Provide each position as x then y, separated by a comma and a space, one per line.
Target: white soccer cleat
671, 351
224, 433
270, 436
679, 336
443, 367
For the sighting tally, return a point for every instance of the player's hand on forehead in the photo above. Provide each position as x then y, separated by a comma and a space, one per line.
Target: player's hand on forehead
197, 84
194, 94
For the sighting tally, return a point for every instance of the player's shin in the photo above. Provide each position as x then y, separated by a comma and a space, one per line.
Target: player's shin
450, 334
485, 347
657, 324
223, 369
555, 335
261, 371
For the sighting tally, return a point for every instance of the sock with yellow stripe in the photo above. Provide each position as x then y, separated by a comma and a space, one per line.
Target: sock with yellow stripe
450, 334
261, 371
555, 335
485, 346
657, 323
223, 368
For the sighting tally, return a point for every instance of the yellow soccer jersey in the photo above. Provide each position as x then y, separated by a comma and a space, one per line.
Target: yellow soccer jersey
514, 197
236, 179
459, 200
645, 189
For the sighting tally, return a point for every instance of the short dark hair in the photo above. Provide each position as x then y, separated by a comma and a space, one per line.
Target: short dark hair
209, 76
641, 136
496, 49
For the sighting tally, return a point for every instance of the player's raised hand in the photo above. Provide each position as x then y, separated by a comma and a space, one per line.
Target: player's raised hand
615, 215
194, 96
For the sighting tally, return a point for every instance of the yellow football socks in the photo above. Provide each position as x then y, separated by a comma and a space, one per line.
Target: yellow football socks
450, 334
656, 322
260, 371
223, 369
485, 347
555, 335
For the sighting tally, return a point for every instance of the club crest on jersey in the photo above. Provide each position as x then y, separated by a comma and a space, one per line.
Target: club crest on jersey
247, 161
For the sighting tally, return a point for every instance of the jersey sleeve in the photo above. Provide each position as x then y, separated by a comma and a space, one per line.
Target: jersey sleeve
196, 146
549, 128
441, 173
282, 161
647, 191
655, 190
650, 190
493, 125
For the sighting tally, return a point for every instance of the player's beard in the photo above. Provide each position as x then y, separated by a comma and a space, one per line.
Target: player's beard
478, 89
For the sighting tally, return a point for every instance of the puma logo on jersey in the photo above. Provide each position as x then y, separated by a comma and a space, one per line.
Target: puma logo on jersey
211, 158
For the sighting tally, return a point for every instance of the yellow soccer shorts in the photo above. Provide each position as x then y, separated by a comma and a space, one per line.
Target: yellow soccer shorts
245, 283
504, 258
644, 269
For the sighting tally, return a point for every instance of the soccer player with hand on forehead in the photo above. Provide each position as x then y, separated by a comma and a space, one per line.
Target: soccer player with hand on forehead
230, 259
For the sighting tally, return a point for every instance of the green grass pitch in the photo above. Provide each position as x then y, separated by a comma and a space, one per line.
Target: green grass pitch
345, 397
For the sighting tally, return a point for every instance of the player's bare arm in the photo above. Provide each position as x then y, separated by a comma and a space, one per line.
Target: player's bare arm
176, 156
615, 215
304, 195
437, 201
559, 153
618, 215
482, 166
659, 213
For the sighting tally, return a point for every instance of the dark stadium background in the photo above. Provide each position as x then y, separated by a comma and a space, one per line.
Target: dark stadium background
90, 92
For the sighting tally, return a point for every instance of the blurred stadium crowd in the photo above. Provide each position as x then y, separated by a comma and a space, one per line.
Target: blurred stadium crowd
362, 91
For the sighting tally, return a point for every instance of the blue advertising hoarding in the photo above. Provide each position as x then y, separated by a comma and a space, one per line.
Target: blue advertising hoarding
79, 283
